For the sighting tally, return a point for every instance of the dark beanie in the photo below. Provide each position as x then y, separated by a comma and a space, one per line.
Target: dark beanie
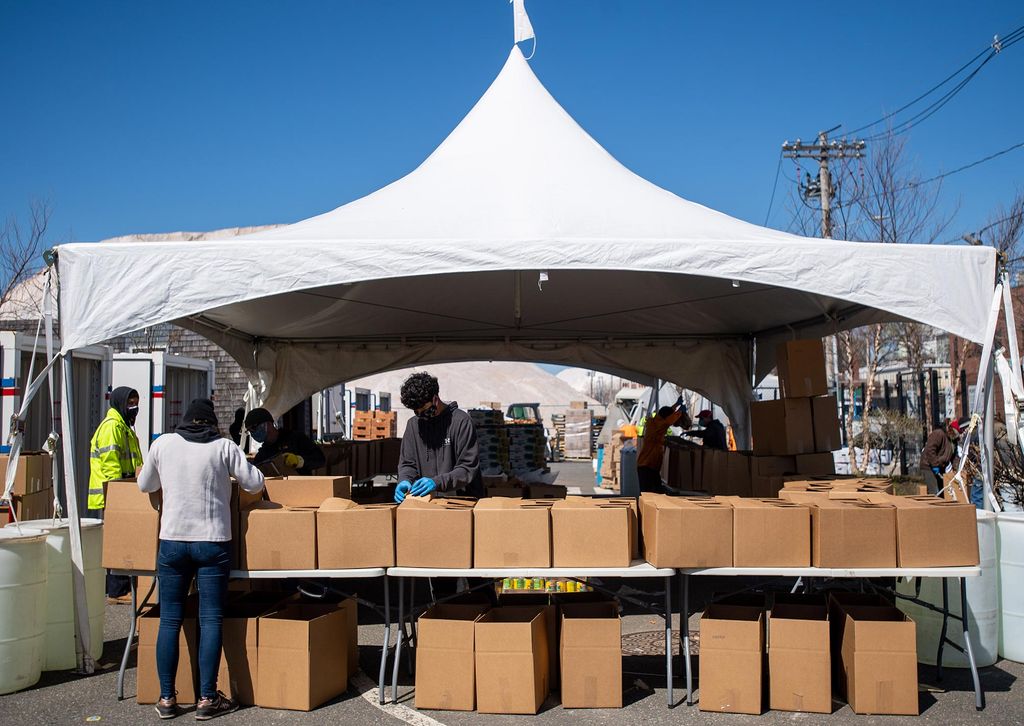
256, 417
201, 409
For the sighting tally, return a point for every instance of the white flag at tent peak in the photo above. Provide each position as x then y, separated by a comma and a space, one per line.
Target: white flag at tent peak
523, 27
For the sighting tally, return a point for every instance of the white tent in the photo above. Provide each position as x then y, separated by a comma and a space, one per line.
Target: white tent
446, 264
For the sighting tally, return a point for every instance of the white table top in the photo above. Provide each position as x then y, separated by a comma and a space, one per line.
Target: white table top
639, 568
837, 571
276, 574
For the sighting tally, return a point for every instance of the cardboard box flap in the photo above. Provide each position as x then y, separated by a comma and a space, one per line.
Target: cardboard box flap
451, 626
508, 630
337, 504
732, 627
887, 632
295, 626
591, 625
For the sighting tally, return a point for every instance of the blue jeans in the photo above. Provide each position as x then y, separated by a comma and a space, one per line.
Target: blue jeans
209, 563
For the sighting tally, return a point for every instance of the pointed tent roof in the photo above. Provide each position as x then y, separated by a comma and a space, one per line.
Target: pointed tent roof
443, 265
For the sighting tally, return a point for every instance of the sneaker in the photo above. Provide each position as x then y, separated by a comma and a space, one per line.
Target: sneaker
213, 707
168, 708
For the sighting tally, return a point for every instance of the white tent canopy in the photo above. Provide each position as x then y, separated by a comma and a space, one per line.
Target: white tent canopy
446, 263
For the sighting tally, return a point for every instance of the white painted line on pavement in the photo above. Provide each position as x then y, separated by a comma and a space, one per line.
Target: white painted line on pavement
368, 690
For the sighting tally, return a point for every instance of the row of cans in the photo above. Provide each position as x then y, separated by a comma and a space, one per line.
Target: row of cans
543, 584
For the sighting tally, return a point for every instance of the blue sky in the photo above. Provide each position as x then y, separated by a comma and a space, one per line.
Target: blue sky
155, 117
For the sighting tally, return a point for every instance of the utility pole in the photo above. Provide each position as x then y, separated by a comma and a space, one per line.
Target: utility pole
824, 151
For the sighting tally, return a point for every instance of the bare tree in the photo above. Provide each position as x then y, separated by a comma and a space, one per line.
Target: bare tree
21, 244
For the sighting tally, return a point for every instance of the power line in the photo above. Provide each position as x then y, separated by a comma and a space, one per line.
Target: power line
986, 228
965, 167
988, 53
775, 186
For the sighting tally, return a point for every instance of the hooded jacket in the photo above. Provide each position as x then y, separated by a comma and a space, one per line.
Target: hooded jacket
444, 449
114, 452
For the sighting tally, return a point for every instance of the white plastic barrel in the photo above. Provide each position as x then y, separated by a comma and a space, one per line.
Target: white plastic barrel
982, 607
60, 609
1010, 527
22, 607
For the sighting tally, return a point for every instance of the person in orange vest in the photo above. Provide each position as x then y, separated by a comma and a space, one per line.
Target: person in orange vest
652, 450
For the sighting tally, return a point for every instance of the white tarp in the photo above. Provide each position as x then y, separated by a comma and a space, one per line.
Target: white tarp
445, 264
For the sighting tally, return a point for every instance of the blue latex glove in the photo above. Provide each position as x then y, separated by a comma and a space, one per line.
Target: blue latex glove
937, 471
423, 487
402, 490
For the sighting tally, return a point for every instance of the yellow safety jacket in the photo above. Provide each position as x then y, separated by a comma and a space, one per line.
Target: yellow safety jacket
113, 454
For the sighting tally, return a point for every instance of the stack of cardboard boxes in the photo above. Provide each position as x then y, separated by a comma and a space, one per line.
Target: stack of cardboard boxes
506, 660
798, 432
361, 460
858, 647
33, 485
611, 463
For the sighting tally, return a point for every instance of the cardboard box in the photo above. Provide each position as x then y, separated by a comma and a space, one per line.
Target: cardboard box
770, 533
852, 533
445, 660
799, 664
511, 660
737, 475
302, 656
823, 464
825, 416
879, 661
801, 368
509, 492
550, 604
275, 537
772, 465
239, 654
782, 427
714, 471
731, 653
434, 533
308, 491
350, 535
933, 532
186, 678
765, 487
37, 505
591, 656
35, 472
686, 532
545, 491
131, 527
512, 533
592, 532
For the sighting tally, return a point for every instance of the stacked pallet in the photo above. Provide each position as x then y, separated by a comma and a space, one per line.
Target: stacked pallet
373, 425
558, 423
578, 433
526, 444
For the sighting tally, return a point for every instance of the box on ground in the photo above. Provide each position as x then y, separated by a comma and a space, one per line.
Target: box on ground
434, 533
801, 368
239, 656
852, 533
550, 605
308, 491
275, 537
512, 533
591, 656
445, 660
878, 654
131, 527
782, 427
731, 654
825, 416
769, 533
186, 678
512, 660
593, 532
350, 535
302, 656
35, 472
799, 665
686, 532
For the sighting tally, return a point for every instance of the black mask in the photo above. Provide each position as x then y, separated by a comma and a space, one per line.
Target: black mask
429, 413
133, 413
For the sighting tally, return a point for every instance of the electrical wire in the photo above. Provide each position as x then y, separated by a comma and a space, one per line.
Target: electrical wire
986, 228
775, 186
987, 54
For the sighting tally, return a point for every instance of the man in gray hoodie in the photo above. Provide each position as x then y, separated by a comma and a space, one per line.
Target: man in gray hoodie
439, 450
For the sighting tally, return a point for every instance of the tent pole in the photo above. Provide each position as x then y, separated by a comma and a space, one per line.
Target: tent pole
988, 443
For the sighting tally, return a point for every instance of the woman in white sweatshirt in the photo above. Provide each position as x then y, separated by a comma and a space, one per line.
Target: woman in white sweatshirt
192, 467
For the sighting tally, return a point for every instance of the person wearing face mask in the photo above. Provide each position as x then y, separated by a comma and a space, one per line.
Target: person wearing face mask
114, 453
439, 450
300, 453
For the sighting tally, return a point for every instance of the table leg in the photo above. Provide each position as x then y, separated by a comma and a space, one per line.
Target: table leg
668, 638
979, 693
945, 623
128, 643
387, 640
410, 649
684, 627
398, 641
